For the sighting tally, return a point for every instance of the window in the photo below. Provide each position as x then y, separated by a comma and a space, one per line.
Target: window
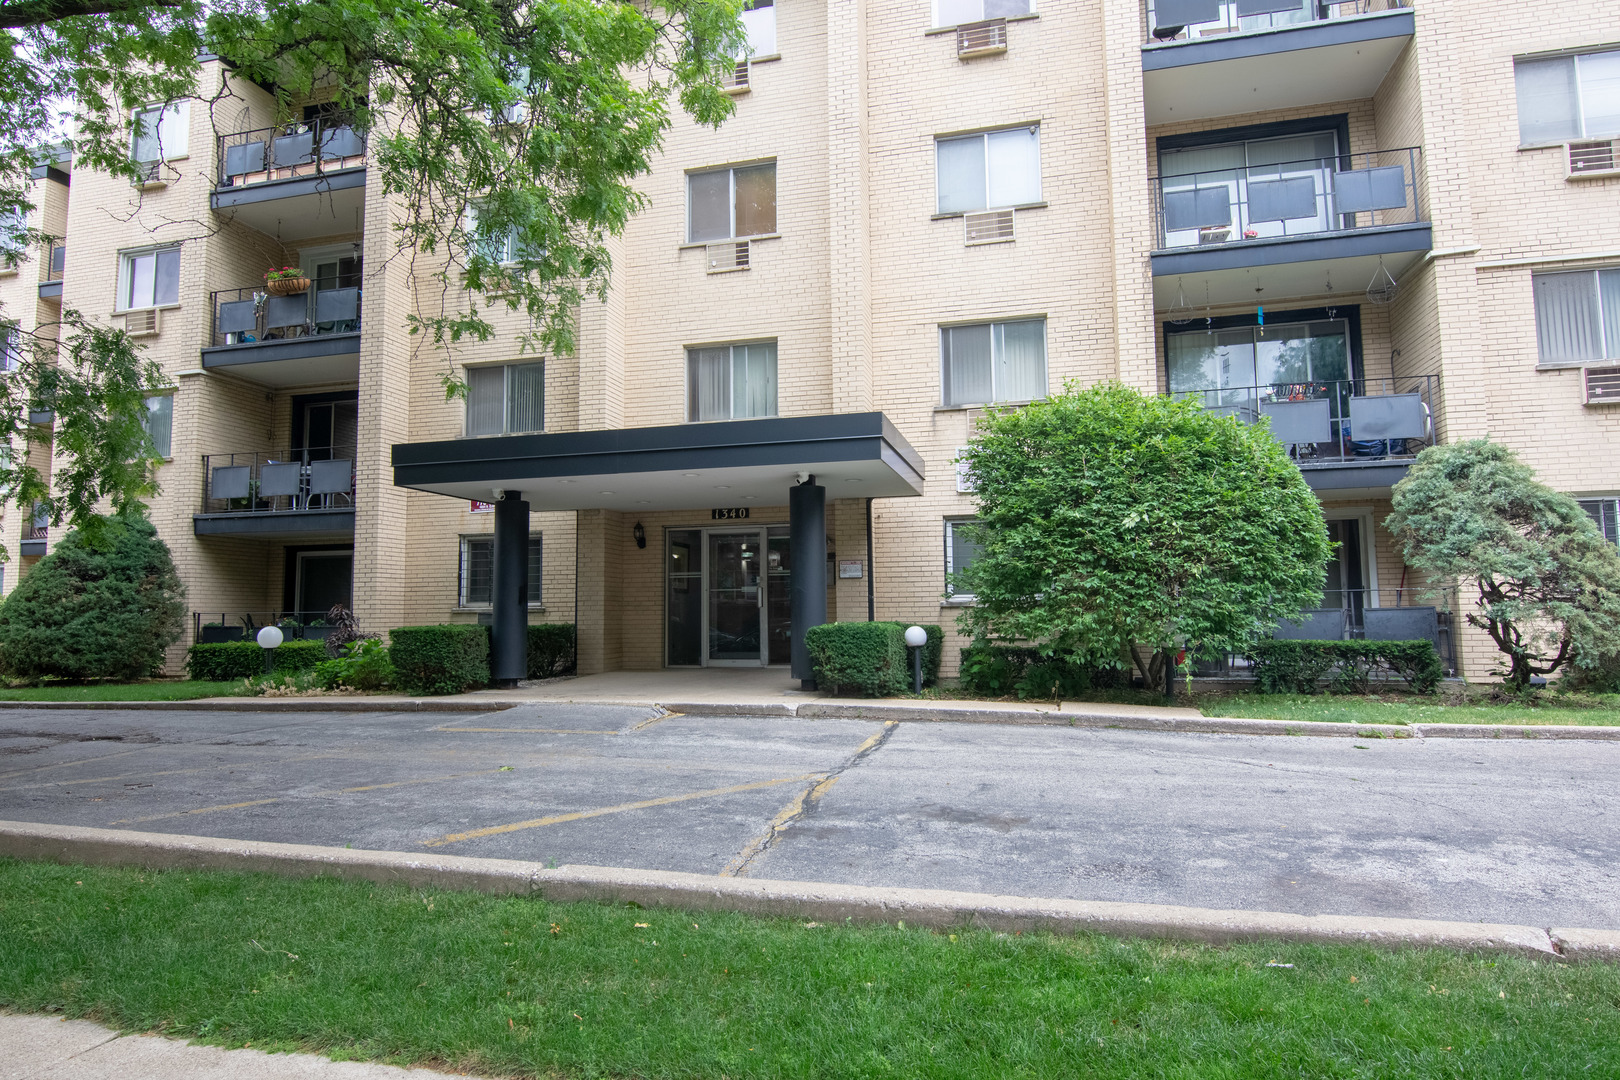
477, 588
957, 12
158, 133
759, 19
149, 279
1568, 97
993, 362
11, 346
1236, 361
1606, 513
506, 399
159, 422
993, 169
504, 247
961, 548
726, 203
731, 382
1577, 315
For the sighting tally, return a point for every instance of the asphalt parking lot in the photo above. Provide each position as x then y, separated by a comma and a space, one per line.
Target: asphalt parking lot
1510, 831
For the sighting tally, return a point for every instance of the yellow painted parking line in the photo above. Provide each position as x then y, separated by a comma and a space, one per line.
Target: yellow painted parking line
579, 815
312, 795
534, 730
650, 721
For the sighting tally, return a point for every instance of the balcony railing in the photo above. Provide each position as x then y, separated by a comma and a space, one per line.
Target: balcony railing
1398, 614
289, 152
1234, 205
1191, 20
208, 627
56, 262
268, 483
244, 316
1337, 422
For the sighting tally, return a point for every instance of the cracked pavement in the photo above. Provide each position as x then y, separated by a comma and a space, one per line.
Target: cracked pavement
1516, 831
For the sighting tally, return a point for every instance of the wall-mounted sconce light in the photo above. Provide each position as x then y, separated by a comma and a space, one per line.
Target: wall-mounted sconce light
640, 534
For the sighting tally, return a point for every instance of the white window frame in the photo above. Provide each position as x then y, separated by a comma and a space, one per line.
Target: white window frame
506, 400
731, 377
982, 16
536, 586
1609, 507
126, 260
995, 395
749, 7
508, 248
731, 201
984, 137
165, 452
950, 558
1609, 350
1580, 106
182, 110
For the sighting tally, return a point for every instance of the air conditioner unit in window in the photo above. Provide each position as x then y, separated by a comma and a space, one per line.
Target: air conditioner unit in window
987, 227
142, 323
1602, 384
1594, 158
726, 257
736, 80
981, 39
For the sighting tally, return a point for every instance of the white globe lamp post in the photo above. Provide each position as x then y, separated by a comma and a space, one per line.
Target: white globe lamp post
270, 640
916, 638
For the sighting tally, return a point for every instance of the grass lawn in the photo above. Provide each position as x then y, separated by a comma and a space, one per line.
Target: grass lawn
1408, 709
521, 987
157, 690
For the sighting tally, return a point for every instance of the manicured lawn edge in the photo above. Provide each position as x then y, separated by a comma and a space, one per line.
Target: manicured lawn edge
156, 690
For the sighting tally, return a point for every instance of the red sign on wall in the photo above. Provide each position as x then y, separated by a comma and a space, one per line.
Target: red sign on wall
481, 507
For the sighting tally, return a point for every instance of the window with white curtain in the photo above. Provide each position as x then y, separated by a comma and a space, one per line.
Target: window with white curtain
477, 585
158, 132
506, 399
722, 204
1568, 97
159, 422
990, 170
731, 382
1606, 514
987, 362
149, 279
10, 348
1577, 315
961, 548
759, 19
957, 12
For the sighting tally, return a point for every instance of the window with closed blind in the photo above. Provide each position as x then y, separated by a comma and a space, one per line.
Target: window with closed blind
1577, 315
477, 588
731, 382
989, 170
159, 422
1606, 513
1568, 97
506, 399
987, 362
726, 204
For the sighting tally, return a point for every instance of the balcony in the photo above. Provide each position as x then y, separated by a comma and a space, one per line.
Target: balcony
210, 627
1350, 437
50, 287
1210, 58
1361, 615
1264, 233
295, 181
36, 534
281, 341
305, 494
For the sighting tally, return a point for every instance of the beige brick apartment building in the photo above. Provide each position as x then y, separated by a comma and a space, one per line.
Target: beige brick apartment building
1381, 226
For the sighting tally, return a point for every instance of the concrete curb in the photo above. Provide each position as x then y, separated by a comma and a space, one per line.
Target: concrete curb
935, 908
1515, 731
307, 704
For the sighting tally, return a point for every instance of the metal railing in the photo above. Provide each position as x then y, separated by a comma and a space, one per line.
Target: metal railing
1192, 20
253, 315
56, 262
208, 627
320, 478
1289, 198
1398, 614
1337, 422
289, 152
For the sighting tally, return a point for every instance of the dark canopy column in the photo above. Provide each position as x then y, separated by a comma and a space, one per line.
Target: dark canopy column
509, 628
807, 527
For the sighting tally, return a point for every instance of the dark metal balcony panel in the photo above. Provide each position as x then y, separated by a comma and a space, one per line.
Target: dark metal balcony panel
1168, 13
284, 311
337, 305
1401, 624
42, 417
230, 482
1281, 250
1362, 190
1309, 421
1321, 624
1389, 416
335, 477
1197, 209
1253, 71
299, 361
291, 150
342, 142
245, 158
1367, 480
50, 290
237, 316
1282, 200
286, 478
1265, 7
31, 547
284, 525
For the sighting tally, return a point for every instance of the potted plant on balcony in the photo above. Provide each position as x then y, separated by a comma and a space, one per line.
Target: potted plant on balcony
287, 281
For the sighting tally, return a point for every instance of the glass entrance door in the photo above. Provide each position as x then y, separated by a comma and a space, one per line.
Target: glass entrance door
736, 607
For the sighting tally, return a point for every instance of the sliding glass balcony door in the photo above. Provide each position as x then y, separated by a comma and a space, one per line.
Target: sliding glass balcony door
1254, 189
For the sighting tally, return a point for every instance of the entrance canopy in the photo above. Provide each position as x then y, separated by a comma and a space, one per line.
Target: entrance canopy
680, 467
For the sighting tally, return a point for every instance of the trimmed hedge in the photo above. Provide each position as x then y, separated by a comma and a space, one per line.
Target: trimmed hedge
444, 659
551, 649
999, 670
1298, 667
867, 658
226, 660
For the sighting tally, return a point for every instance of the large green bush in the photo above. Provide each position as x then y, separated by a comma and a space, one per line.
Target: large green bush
223, 660
551, 649
106, 611
364, 665
868, 658
445, 659
1299, 667
999, 670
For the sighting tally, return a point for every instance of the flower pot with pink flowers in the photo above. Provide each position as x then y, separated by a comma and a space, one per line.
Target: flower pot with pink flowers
287, 281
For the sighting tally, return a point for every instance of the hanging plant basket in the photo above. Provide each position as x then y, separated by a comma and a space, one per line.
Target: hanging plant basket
286, 286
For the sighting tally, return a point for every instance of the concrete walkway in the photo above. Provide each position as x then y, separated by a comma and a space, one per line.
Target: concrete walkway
50, 1048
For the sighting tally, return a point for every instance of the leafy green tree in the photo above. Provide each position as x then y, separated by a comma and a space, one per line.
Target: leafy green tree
487, 120
1110, 520
1545, 577
106, 611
